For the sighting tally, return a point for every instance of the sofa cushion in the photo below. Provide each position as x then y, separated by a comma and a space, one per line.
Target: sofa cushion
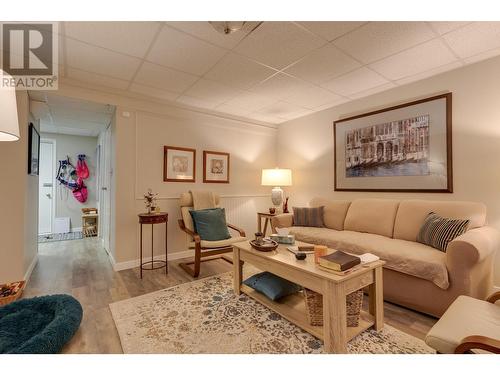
372, 216
408, 257
334, 212
412, 213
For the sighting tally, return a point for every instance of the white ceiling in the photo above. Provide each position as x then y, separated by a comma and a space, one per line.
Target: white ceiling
64, 115
274, 72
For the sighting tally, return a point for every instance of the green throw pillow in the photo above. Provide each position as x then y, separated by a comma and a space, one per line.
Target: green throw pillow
211, 224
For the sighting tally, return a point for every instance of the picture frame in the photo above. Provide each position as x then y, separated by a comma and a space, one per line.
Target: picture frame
33, 150
179, 164
403, 148
216, 167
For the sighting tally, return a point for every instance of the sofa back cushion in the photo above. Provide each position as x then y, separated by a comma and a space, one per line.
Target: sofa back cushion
334, 212
412, 214
372, 216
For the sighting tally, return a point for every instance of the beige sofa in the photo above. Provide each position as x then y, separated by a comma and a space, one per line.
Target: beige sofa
415, 275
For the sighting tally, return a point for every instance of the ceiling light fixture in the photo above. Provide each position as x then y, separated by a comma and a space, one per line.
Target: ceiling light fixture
227, 27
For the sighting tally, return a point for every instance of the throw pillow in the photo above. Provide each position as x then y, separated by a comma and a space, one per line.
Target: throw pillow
437, 231
308, 216
210, 224
272, 286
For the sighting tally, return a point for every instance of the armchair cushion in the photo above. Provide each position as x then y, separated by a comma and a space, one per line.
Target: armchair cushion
465, 317
216, 244
211, 224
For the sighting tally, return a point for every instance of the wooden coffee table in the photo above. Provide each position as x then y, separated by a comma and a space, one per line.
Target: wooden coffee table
334, 288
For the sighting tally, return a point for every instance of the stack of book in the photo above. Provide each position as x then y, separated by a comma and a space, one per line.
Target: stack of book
339, 262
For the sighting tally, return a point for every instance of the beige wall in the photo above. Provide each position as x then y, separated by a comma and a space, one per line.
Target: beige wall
306, 144
18, 201
72, 145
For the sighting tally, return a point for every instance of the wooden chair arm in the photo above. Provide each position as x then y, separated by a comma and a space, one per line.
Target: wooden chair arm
241, 231
196, 236
494, 297
478, 342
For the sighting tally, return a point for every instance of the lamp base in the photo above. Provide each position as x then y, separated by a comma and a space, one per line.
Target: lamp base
277, 196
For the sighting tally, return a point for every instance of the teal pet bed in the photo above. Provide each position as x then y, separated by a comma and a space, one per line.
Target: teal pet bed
40, 325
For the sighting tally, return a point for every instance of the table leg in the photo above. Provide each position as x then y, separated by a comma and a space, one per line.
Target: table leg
237, 270
376, 293
334, 318
259, 223
266, 221
166, 247
152, 230
140, 263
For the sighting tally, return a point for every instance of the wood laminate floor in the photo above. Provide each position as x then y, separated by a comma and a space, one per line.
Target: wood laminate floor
82, 268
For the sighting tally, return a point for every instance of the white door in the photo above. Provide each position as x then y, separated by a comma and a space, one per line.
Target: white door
105, 186
46, 187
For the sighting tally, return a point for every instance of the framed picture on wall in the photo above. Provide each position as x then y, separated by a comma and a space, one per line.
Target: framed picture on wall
33, 150
405, 148
179, 164
216, 167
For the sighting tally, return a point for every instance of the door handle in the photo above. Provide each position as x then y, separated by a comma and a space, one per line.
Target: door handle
104, 188
48, 195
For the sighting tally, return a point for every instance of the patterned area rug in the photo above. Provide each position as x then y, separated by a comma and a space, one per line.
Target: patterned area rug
60, 237
205, 316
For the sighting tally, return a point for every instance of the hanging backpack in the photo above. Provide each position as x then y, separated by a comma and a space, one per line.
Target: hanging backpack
81, 167
80, 193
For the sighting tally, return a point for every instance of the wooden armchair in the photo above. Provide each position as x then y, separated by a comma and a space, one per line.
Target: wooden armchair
468, 324
203, 248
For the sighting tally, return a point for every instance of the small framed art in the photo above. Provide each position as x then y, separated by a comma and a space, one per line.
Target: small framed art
216, 167
179, 164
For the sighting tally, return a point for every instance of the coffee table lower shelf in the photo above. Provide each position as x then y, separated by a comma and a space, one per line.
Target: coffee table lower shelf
293, 308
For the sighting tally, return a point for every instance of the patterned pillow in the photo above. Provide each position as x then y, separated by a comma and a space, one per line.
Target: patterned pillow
437, 231
308, 216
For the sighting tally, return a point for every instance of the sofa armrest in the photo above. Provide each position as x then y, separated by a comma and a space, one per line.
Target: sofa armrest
281, 221
473, 246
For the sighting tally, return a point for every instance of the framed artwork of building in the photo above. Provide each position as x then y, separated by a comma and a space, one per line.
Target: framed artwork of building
405, 148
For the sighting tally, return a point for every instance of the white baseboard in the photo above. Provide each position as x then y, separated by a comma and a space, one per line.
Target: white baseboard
79, 229
135, 263
30, 269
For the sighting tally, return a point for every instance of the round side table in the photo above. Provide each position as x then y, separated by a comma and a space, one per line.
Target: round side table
154, 218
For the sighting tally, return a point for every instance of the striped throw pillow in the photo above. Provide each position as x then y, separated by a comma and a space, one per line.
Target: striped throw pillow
437, 231
308, 216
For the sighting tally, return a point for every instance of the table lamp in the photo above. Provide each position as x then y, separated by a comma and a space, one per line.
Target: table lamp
9, 124
276, 177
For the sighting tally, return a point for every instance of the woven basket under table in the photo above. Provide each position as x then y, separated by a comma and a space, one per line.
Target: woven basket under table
314, 307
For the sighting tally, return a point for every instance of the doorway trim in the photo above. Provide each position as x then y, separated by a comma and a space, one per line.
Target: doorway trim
54, 180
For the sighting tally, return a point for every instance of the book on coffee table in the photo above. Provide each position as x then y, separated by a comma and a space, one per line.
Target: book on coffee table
339, 261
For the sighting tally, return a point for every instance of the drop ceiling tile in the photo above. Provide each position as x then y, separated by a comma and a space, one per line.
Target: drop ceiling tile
205, 31
443, 27
266, 118
99, 60
430, 73
164, 78
184, 52
196, 102
330, 30
278, 44
312, 97
372, 91
211, 91
238, 71
331, 104
96, 79
323, 65
250, 101
482, 56
474, 38
377, 40
426, 56
359, 80
237, 111
284, 110
131, 38
280, 86
153, 92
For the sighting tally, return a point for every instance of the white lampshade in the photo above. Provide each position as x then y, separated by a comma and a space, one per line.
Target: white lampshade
276, 177
9, 124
